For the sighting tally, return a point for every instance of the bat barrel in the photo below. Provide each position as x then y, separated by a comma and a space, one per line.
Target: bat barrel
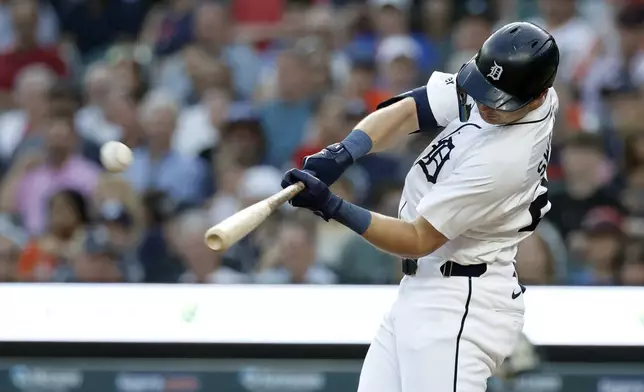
221, 236
214, 241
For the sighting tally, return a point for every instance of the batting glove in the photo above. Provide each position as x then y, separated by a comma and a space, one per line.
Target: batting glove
316, 195
328, 164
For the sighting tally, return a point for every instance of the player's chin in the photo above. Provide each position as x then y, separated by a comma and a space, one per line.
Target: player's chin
494, 120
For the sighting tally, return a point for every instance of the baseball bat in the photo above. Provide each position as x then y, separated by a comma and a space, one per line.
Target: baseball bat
224, 234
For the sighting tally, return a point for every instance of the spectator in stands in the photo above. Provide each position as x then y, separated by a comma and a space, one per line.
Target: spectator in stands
291, 259
397, 62
68, 217
115, 237
361, 84
535, 262
9, 255
272, 39
242, 137
324, 34
121, 227
576, 39
200, 124
32, 113
65, 98
129, 69
633, 196
37, 175
95, 24
242, 146
123, 118
92, 117
632, 272
286, 118
47, 30
587, 183
227, 173
214, 39
543, 258
156, 166
603, 248
207, 72
98, 261
468, 36
114, 188
157, 253
202, 265
26, 50
169, 27
320, 68
328, 126
12, 240
619, 71
634, 152
391, 18
437, 17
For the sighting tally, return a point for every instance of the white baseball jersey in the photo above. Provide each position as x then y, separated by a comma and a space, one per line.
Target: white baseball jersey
482, 186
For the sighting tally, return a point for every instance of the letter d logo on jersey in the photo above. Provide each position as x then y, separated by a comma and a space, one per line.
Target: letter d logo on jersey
433, 162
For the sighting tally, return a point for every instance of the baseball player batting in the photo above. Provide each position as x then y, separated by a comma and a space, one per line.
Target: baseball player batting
471, 196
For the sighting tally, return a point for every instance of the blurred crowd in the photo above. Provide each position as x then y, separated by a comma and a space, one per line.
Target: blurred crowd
218, 98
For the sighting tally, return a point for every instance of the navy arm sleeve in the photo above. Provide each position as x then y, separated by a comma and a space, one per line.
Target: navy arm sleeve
426, 119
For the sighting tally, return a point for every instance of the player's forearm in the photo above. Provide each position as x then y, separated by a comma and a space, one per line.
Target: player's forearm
401, 238
388, 125
397, 237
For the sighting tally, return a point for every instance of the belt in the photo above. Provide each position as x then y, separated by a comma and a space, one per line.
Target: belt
449, 268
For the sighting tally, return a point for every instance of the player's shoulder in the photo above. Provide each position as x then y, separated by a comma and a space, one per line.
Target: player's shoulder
500, 156
441, 79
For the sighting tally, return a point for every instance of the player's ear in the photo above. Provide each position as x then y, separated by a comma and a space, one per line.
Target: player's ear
538, 101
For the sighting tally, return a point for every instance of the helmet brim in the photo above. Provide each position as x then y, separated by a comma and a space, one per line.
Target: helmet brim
470, 80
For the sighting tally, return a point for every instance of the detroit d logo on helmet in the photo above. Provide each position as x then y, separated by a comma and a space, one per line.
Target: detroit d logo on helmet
495, 72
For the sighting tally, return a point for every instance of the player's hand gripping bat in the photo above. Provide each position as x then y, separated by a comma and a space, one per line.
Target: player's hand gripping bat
224, 234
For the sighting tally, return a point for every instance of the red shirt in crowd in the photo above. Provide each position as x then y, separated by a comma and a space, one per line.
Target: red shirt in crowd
13, 61
304, 151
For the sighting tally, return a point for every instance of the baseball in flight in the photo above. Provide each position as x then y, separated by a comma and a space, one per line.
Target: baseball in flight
116, 156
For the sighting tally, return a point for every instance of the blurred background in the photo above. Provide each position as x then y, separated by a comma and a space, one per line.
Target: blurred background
218, 98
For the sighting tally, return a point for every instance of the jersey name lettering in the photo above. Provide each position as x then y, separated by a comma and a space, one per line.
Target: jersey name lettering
543, 165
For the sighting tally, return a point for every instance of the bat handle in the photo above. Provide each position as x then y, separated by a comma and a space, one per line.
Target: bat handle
286, 194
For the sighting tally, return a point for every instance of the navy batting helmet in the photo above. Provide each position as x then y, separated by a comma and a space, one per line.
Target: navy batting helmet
515, 65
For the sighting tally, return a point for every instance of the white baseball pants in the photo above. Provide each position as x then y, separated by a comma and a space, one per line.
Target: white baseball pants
445, 334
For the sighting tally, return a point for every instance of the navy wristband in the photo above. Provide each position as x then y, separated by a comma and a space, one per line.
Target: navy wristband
354, 217
358, 144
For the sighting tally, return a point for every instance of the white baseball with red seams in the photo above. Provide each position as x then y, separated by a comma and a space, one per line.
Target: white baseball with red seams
116, 156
